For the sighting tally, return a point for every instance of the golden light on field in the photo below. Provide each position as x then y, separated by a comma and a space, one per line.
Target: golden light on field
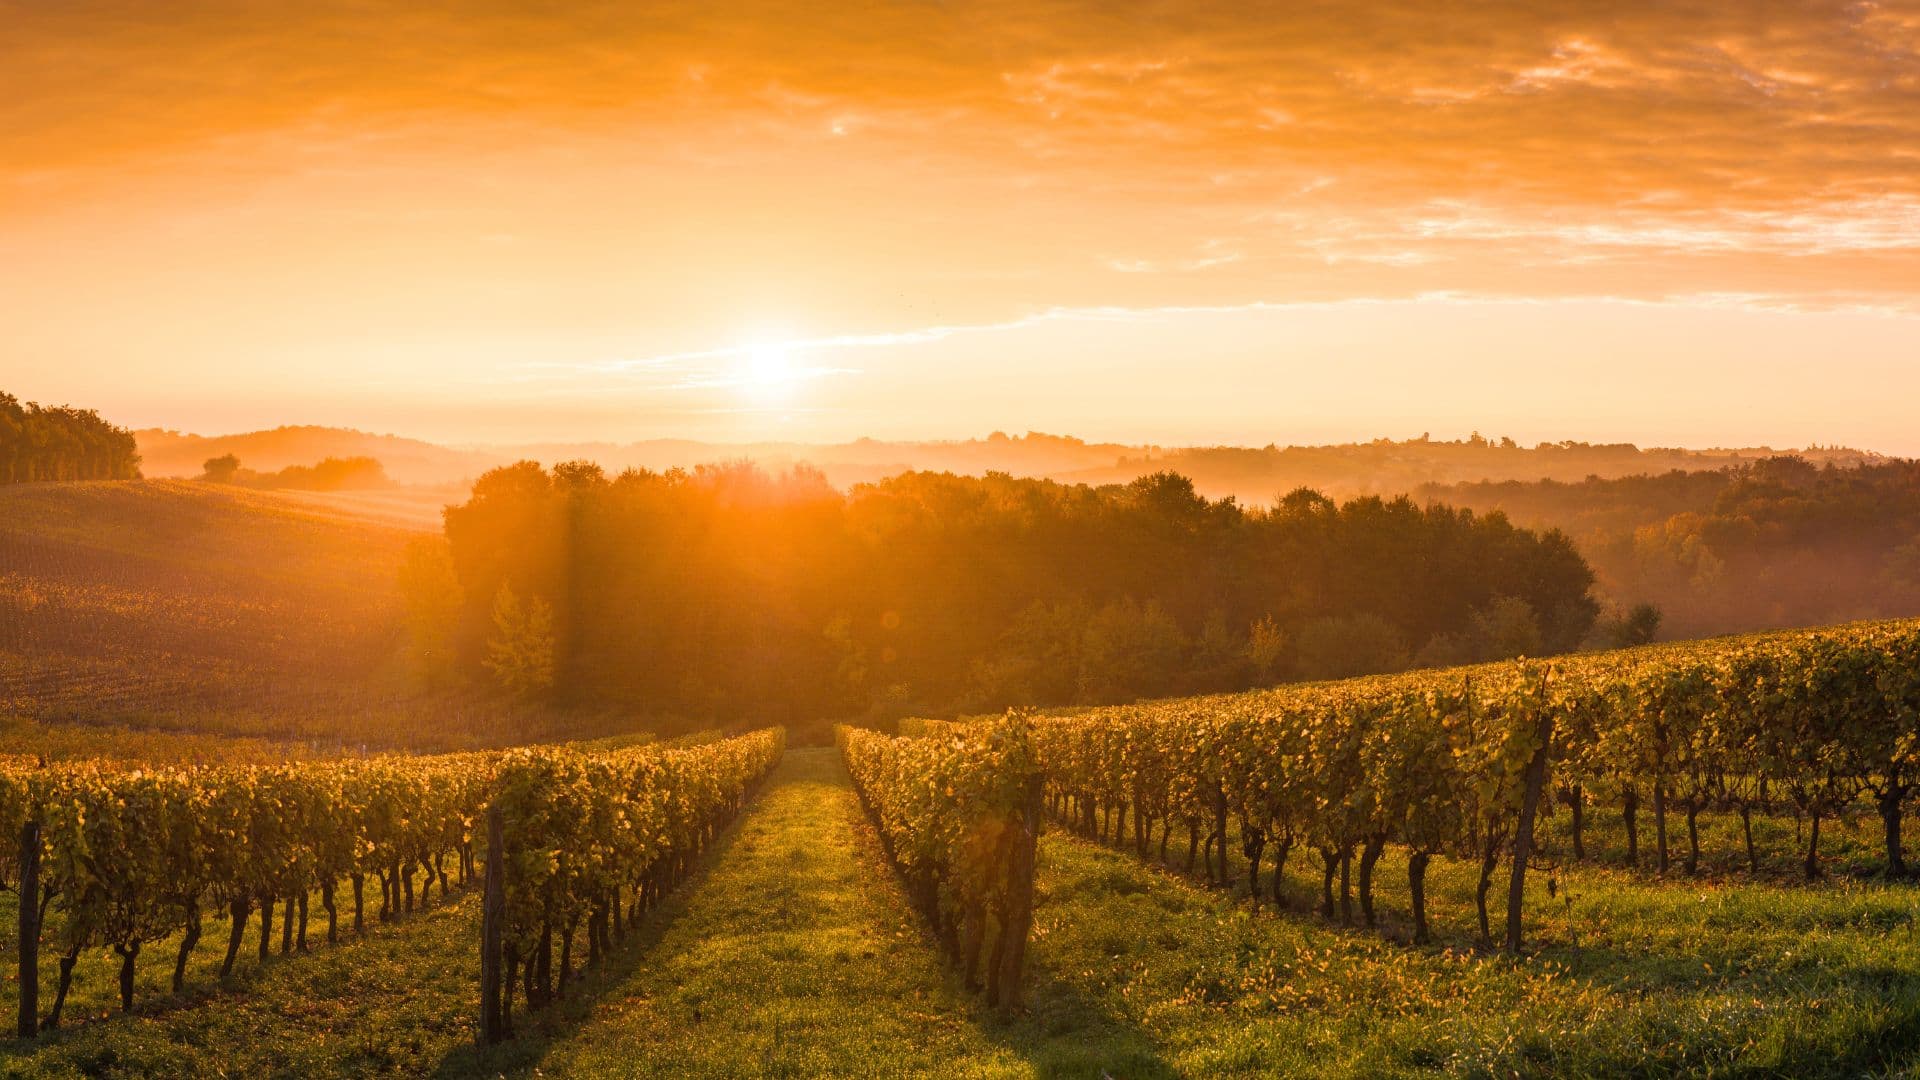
1149, 222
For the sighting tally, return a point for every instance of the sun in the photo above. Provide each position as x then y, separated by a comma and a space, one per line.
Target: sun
769, 367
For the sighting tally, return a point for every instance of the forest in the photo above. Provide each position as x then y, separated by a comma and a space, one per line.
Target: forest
727, 591
1771, 543
61, 443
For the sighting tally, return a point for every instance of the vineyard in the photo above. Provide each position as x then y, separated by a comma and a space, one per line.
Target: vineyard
1679, 859
1468, 763
119, 857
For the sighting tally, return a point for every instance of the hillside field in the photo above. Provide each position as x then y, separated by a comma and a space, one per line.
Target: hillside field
204, 609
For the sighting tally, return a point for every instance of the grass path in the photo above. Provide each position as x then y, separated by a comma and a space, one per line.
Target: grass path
797, 955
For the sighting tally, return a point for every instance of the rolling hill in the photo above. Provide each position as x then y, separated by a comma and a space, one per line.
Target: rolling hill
185, 606
1254, 475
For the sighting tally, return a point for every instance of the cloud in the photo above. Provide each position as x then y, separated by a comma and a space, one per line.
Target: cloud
724, 367
1012, 155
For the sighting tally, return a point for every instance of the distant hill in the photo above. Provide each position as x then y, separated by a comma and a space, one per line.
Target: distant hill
1255, 475
408, 461
115, 595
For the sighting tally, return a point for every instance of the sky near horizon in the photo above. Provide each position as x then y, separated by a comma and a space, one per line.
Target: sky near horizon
1674, 224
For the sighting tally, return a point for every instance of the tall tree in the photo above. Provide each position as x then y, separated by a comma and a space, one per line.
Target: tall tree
520, 652
433, 598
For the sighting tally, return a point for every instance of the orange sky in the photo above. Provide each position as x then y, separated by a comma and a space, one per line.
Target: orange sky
1208, 221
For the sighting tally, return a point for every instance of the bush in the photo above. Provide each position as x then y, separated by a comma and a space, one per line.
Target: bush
1341, 646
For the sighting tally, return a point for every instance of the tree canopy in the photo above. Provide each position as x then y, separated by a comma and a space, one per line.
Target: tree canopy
730, 592
62, 443
1777, 542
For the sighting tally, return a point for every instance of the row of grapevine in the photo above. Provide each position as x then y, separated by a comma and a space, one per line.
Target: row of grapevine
1340, 769
1460, 762
113, 855
1807, 723
126, 856
958, 813
598, 837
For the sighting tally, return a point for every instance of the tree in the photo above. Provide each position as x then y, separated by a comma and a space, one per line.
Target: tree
1340, 646
433, 598
1266, 647
62, 443
1507, 628
1637, 626
220, 470
1219, 657
520, 652
1037, 661
1129, 651
706, 591
851, 668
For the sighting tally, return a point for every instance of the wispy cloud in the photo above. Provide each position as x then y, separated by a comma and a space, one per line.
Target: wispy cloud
724, 366
704, 369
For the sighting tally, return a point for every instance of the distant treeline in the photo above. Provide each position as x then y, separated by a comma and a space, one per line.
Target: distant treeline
1774, 543
1253, 474
329, 474
62, 443
1387, 465
729, 592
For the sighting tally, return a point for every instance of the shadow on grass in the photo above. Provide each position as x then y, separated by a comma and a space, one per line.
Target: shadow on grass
535, 1033
1873, 1031
93, 1007
1450, 908
1064, 1032
1061, 1031
1811, 1018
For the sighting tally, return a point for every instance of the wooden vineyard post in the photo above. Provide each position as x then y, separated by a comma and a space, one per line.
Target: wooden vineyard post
493, 914
1535, 781
29, 930
1020, 909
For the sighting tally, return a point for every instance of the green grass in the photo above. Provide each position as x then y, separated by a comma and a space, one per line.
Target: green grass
794, 954
1628, 977
1627, 973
